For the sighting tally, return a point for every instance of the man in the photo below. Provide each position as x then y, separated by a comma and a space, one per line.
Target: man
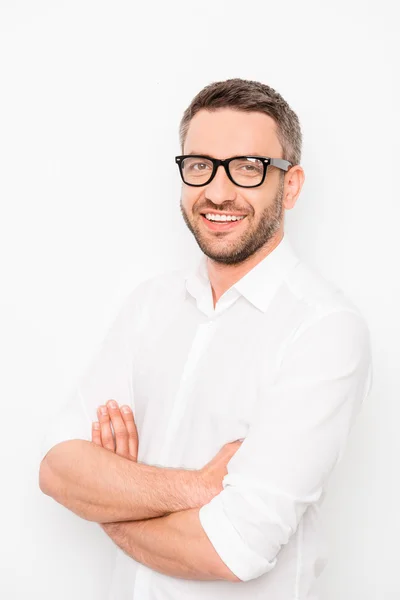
235, 384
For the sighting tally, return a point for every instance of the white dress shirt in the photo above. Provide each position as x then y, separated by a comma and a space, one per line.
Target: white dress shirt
283, 361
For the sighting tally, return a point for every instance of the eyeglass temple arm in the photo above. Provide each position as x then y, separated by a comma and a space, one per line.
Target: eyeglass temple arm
281, 163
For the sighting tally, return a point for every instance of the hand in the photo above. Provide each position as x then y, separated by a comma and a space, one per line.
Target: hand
215, 470
126, 436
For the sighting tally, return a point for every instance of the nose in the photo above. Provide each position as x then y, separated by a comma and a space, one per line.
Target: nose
221, 187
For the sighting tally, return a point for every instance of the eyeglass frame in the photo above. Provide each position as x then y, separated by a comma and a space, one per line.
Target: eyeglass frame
280, 163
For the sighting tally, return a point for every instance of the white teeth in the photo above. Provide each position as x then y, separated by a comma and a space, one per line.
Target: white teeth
212, 217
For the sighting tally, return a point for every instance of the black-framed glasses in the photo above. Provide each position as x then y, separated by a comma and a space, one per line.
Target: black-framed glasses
244, 171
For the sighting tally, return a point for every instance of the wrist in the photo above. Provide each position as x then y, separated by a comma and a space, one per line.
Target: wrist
209, 485
196, 489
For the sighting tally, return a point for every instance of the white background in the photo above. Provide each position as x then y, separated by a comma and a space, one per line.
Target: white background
88, 90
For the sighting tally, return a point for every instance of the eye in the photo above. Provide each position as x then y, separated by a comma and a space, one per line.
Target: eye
199, 166
196, 165
248, 167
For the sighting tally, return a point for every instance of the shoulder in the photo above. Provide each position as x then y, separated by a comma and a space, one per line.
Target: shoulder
317, 295
327, 315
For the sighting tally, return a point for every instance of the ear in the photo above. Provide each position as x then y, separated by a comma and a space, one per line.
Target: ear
294, 179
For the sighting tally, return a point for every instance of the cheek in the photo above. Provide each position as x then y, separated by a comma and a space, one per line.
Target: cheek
191, 200
251, 203
257, 202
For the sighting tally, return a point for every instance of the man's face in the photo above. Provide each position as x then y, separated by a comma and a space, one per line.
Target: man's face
222, 134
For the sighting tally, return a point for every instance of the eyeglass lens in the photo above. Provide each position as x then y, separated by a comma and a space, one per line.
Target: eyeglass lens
244, 171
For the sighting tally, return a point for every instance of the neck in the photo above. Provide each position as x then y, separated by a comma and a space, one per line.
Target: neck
222, 276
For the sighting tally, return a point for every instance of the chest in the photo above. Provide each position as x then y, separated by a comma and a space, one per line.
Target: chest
196, 383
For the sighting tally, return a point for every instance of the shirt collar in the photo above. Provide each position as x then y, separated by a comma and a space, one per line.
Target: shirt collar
258, 285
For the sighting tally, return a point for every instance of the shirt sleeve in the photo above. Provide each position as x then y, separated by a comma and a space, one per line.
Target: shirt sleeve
296, 437
109, 375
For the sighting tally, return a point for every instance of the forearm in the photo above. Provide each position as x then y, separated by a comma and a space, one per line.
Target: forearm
99, 485
175, 545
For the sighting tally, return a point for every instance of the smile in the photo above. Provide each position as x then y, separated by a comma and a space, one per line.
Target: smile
222, 225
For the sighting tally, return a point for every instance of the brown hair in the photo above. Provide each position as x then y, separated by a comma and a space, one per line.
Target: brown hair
245, 95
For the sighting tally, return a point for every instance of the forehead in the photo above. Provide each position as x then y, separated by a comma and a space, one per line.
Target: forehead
227, 132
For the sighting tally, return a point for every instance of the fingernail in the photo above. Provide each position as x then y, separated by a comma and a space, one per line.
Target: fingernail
126, 409
112, 403
96, 425
103, 410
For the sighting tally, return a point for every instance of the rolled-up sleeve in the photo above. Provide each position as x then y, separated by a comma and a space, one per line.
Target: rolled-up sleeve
297, 435
109, 375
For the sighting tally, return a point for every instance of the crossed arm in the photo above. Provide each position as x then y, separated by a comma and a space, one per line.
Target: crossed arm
294, 442
151, 513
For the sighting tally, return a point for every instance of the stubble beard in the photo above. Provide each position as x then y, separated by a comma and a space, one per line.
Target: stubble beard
252, 240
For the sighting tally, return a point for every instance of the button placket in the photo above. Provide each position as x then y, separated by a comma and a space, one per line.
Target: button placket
202, 338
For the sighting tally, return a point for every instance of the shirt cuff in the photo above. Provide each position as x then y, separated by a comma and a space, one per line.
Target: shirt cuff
233, 551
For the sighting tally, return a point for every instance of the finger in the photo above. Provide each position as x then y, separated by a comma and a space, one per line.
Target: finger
107, 439
228, 450
96, 435
121, 433
133, 438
